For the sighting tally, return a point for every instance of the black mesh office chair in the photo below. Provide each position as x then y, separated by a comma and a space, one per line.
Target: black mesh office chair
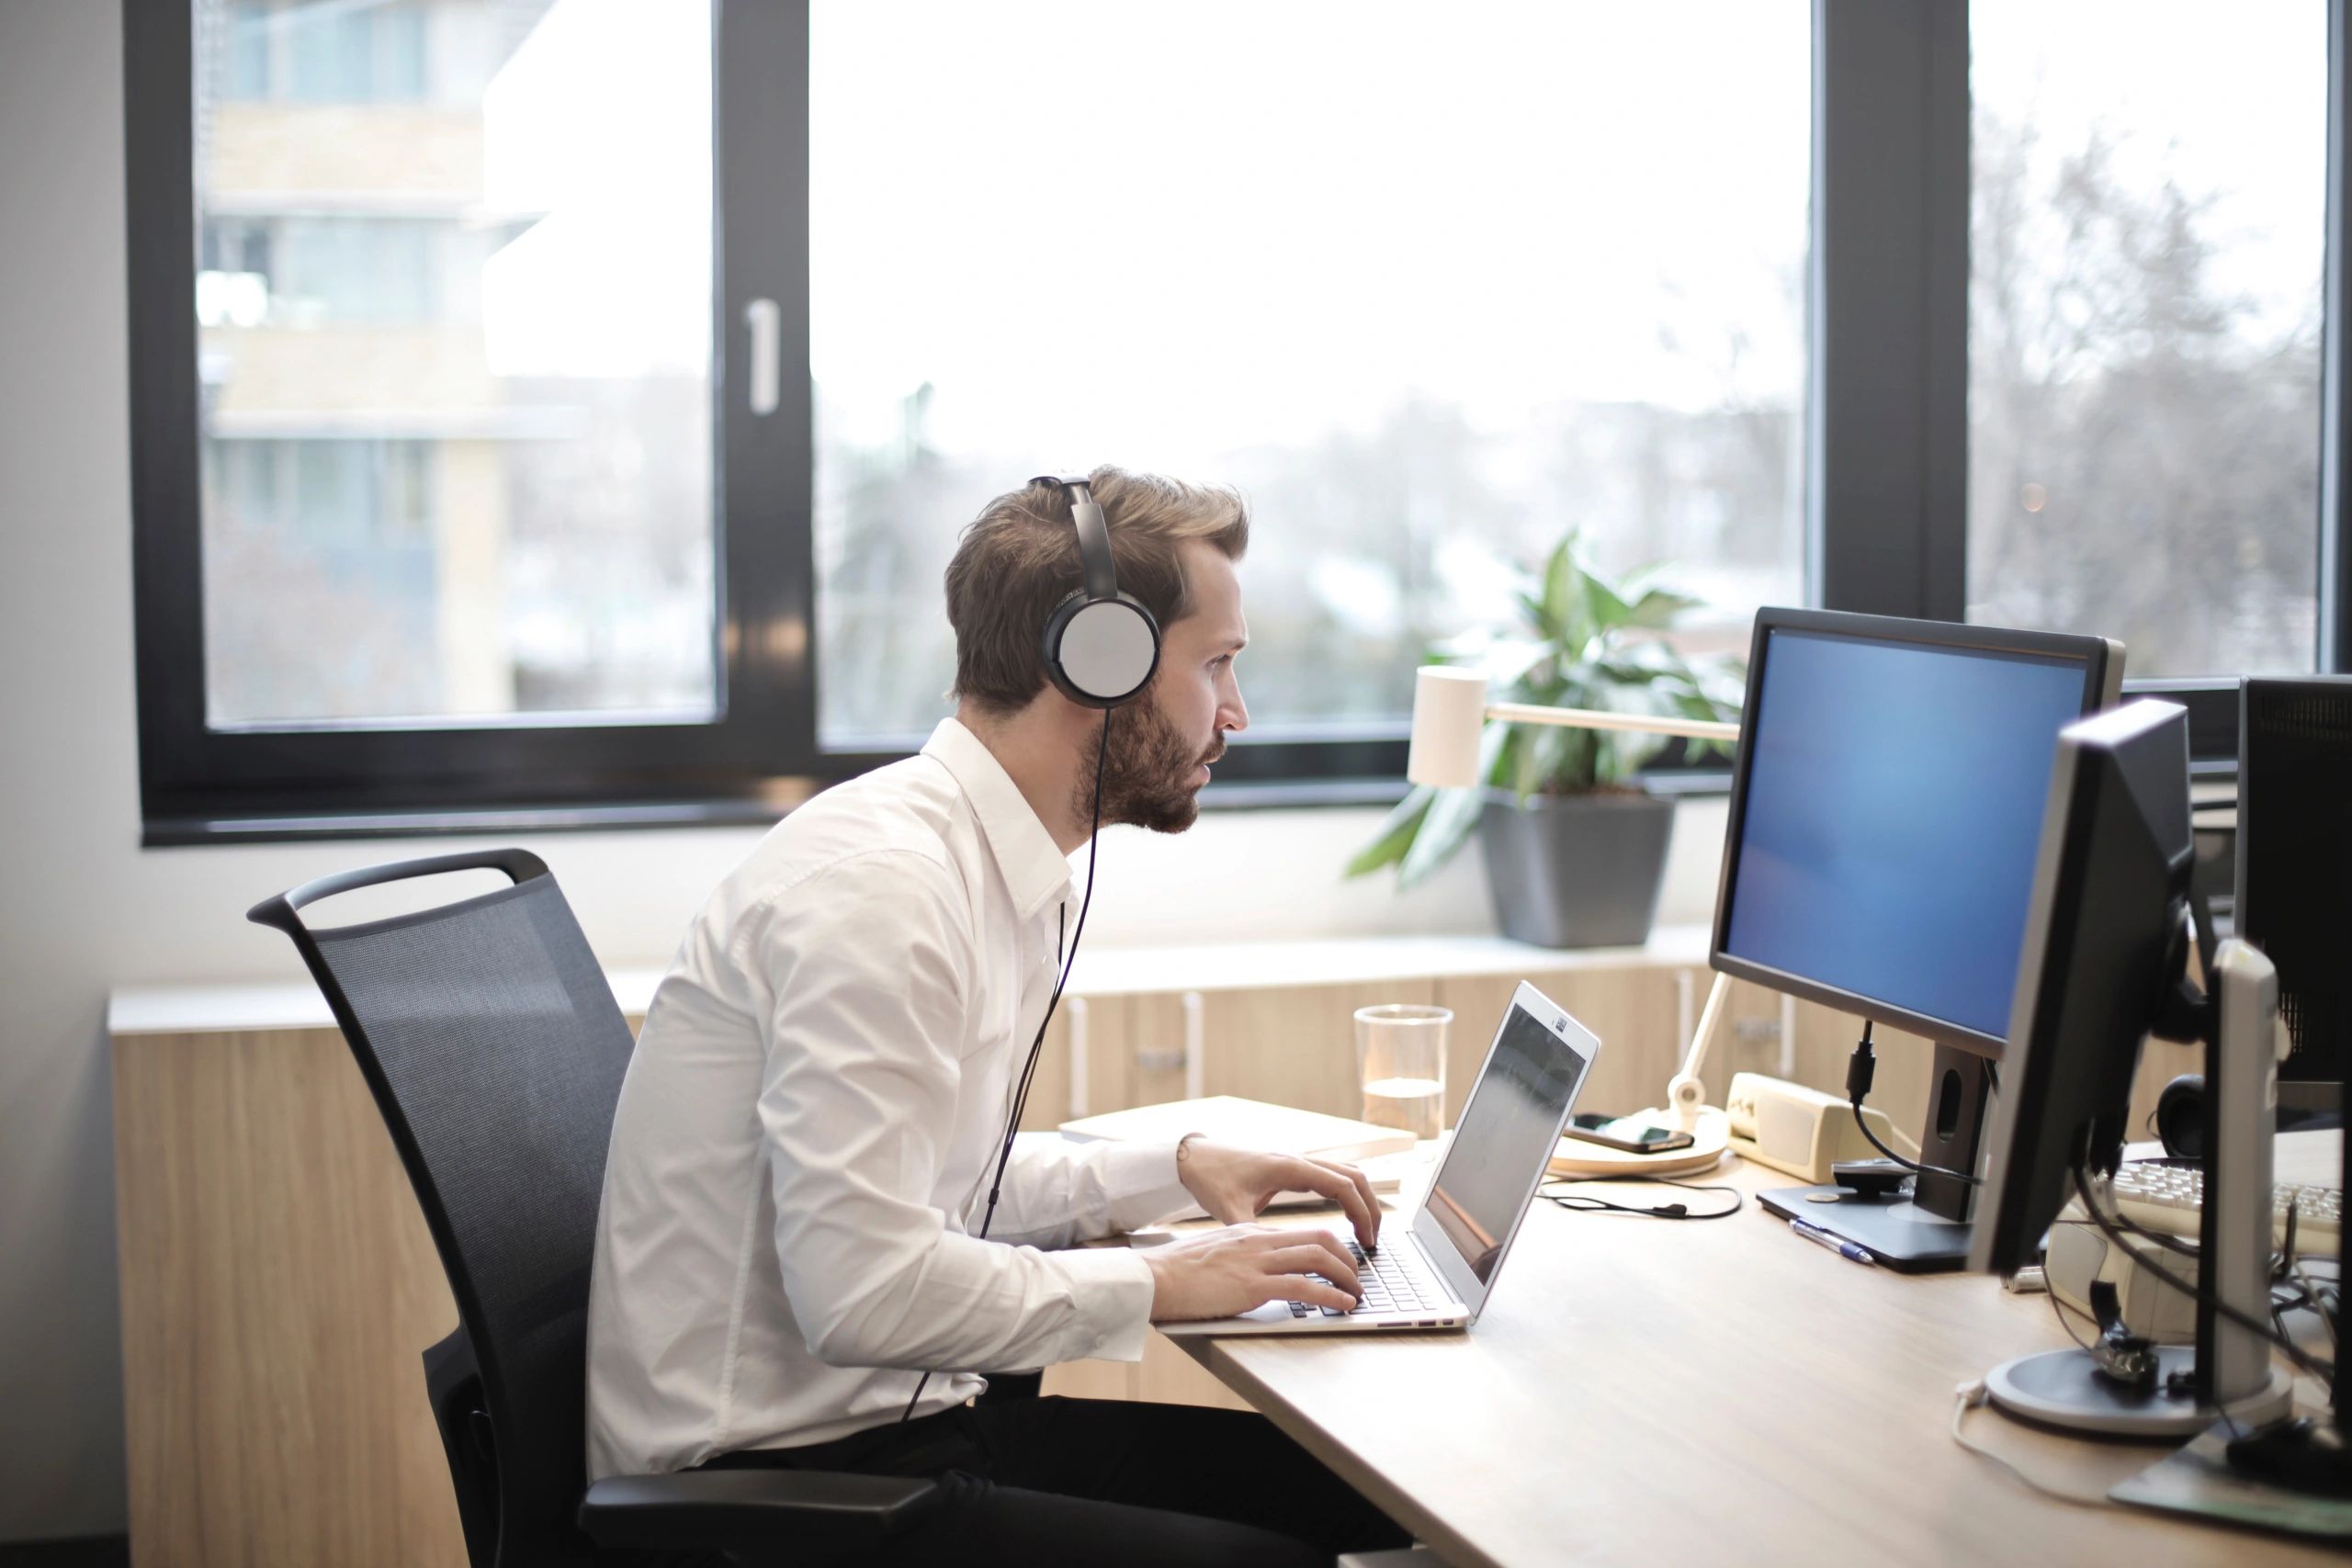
495, 1050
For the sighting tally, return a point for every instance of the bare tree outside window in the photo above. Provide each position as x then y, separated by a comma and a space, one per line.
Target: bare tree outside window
2144, 319
1430, 295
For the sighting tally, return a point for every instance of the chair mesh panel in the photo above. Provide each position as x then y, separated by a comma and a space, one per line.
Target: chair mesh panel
499, 1043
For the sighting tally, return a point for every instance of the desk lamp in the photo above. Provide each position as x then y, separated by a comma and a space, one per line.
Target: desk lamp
1449, 709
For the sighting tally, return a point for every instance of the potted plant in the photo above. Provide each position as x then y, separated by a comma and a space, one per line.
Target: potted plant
1575, 847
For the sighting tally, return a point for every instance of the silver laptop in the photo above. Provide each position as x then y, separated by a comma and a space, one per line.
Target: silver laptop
1435, 1269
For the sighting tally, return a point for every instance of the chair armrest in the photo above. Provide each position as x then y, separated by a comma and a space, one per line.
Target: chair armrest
733, 1509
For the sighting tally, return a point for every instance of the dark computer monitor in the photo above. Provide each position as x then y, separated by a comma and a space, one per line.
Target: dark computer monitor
2105, 964
2111, 892
1886, 807
2294, 867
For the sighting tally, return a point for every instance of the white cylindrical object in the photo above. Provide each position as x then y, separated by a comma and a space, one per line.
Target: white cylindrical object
1449, 711
1197, 1066
1080, 1044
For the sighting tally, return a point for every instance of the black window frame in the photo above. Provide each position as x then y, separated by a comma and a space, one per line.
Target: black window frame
1885, 484
199, 785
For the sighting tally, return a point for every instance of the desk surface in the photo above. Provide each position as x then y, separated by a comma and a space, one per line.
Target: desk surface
1639, 1389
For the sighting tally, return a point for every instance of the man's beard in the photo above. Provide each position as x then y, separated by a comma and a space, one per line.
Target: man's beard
1147, 772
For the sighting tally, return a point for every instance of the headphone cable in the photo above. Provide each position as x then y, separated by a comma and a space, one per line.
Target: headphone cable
1029, 1072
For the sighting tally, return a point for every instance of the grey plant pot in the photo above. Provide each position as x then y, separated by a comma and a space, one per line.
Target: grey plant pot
1576, 870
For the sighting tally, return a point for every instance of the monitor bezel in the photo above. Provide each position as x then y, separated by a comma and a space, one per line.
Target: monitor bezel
2102, 662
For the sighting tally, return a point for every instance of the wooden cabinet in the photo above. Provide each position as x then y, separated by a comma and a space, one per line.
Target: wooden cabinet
278, 1284
1295, 1045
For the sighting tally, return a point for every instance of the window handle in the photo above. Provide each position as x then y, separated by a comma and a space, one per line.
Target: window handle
765, 320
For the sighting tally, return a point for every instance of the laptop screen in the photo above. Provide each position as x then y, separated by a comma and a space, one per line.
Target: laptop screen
1506, 1135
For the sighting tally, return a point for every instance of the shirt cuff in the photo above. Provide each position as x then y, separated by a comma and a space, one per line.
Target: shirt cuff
1140, 1181
1113, 1288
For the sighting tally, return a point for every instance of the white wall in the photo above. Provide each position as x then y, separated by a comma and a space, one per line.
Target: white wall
85, 909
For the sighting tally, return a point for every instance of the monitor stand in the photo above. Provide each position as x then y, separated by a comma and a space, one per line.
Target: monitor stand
2229, 1370
1925, 1229
2312, 1455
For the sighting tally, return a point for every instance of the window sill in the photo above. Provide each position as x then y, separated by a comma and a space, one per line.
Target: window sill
1247, 795
177, 832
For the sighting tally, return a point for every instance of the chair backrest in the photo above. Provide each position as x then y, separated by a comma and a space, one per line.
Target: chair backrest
491, 1042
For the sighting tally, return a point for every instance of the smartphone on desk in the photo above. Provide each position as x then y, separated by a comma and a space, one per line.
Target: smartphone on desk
1623, 1132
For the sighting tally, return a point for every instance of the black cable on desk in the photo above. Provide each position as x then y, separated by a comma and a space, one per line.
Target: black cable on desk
1585, 1203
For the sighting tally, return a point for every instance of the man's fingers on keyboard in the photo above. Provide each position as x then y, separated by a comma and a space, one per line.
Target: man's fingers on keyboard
1346, 1186
1341, 1250
1313, 1292
1368, 1222
1317, 1261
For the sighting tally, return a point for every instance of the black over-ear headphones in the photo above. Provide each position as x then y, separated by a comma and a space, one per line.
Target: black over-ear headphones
1101, 644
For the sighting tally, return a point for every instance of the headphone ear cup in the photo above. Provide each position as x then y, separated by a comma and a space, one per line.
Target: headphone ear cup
1101, 652
2180, 1116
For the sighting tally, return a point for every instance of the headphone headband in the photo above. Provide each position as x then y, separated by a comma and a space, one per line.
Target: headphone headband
1094, 534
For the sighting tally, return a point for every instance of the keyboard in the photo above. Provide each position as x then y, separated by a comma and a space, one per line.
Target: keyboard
2170, 1199
1394, 1281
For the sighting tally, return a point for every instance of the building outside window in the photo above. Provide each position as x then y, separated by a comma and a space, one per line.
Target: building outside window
454, 356
1432, 295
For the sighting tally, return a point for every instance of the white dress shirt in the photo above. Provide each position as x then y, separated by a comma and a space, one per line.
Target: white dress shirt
803, 1144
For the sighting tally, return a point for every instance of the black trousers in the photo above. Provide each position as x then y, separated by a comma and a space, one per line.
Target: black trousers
1101, 1480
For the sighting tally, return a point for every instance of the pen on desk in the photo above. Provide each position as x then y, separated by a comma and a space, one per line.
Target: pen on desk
1850, 1251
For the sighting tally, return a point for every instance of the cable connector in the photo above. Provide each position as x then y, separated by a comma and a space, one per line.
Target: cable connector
1861, 1069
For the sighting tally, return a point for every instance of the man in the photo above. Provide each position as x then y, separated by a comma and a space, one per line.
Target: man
787, 1270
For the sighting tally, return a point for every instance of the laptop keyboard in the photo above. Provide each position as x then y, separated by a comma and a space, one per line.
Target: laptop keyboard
1390, 1284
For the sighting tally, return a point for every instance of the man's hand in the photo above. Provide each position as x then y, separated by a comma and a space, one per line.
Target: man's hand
1234, 1185
1222, 1273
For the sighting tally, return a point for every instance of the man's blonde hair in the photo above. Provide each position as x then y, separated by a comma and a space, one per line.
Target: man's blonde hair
1019, 559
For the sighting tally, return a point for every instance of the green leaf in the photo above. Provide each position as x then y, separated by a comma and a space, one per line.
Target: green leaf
1452, 814
1396, 835
1657, 609
1566, 616
1609, 610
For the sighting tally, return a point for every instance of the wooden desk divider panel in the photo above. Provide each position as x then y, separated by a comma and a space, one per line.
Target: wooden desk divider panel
278, 1287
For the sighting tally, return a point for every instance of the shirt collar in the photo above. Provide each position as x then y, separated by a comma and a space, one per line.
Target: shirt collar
1033, 865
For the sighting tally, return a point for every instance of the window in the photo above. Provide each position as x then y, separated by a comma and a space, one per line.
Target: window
2144, 328
474, 467
1430, 294
557, 547
438, 503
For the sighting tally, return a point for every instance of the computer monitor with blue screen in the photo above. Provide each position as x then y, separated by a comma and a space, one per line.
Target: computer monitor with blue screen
1886, 815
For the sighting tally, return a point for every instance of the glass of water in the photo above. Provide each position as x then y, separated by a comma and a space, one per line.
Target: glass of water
1400, 1061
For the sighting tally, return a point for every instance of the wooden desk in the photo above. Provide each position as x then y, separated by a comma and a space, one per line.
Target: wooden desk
1642, 1391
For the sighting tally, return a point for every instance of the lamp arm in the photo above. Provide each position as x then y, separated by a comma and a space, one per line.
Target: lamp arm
1685, 1094
1598, 718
